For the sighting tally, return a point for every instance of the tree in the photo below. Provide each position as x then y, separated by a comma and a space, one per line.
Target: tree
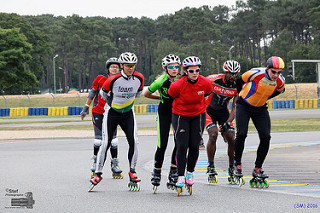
15, 52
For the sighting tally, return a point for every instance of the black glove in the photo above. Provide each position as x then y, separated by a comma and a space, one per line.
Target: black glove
225, 126
85, 111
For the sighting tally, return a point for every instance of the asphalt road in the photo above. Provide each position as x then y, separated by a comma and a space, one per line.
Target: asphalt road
57, 173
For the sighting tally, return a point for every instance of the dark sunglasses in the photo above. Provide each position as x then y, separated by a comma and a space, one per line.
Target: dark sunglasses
275, 72
175, 66
196, 70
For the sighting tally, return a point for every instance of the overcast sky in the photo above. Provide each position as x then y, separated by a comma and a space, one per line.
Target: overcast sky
106, 8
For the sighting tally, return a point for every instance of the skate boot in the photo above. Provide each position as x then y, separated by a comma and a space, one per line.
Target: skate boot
259, 179
180, 184
155, 179
172, 178
231, 175
189, 182
134, 184
116, 171
94, 181
93, 168
212, 174
238, 176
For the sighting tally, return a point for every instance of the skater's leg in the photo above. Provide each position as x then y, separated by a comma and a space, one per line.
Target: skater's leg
163, 129
181, 134
128, 125
242, 119
194, 142
262, 122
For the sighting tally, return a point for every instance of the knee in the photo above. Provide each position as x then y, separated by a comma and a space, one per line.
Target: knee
97, 142
213, 134
241, 137
265, 139
114, 143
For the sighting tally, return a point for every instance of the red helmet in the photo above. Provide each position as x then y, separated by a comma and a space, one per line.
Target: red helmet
275, 62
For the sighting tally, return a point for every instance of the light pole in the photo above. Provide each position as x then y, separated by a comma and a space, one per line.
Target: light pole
54, 73
230, 51
217, 64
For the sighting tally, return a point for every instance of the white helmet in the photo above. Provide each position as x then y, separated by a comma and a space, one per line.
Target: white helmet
128, 58
191, 61
231, 66
169, 59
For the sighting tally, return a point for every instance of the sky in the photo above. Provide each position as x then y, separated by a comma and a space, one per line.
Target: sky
107, 8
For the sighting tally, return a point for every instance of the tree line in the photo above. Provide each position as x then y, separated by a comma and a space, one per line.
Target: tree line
249, 32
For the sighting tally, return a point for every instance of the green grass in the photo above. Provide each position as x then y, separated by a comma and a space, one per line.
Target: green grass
277, 125
305, 91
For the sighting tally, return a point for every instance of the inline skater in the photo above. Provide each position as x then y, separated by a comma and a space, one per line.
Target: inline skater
112, 67
189, 103
120, 91
224, 89
170, 64
255, 87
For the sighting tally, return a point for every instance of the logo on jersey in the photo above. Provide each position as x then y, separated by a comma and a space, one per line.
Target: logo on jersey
200, 92
224, 91
125, 89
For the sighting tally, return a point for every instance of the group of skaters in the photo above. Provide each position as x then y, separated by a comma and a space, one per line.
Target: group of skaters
189, 103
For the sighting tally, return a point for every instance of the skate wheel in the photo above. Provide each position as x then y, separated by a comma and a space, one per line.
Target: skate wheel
190, 190
266, 183
154, 189
241, 181
251, 183
179, 191
261, 184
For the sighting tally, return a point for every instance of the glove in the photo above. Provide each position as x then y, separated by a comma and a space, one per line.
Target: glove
225, 126
84, 112
104, 95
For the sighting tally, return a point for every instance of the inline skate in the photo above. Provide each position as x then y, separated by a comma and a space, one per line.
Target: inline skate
212, 174
172, 178
259, 179
155, 179
94, 181
180, 184
231, 175
134, 184
238, 176
189, 182
116, 171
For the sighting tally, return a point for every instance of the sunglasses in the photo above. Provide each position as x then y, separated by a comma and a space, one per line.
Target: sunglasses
130, 65
175, 67
275, 72
196, 70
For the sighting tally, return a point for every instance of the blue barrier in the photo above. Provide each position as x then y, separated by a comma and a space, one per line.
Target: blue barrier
319, 103
4, 112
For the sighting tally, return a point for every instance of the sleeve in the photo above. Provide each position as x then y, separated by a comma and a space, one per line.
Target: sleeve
106, 85
142, 81
95, 84
174, 89
209, 88
154, 86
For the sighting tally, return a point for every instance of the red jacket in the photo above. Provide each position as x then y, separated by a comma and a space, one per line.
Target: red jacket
190, 97
98, 102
